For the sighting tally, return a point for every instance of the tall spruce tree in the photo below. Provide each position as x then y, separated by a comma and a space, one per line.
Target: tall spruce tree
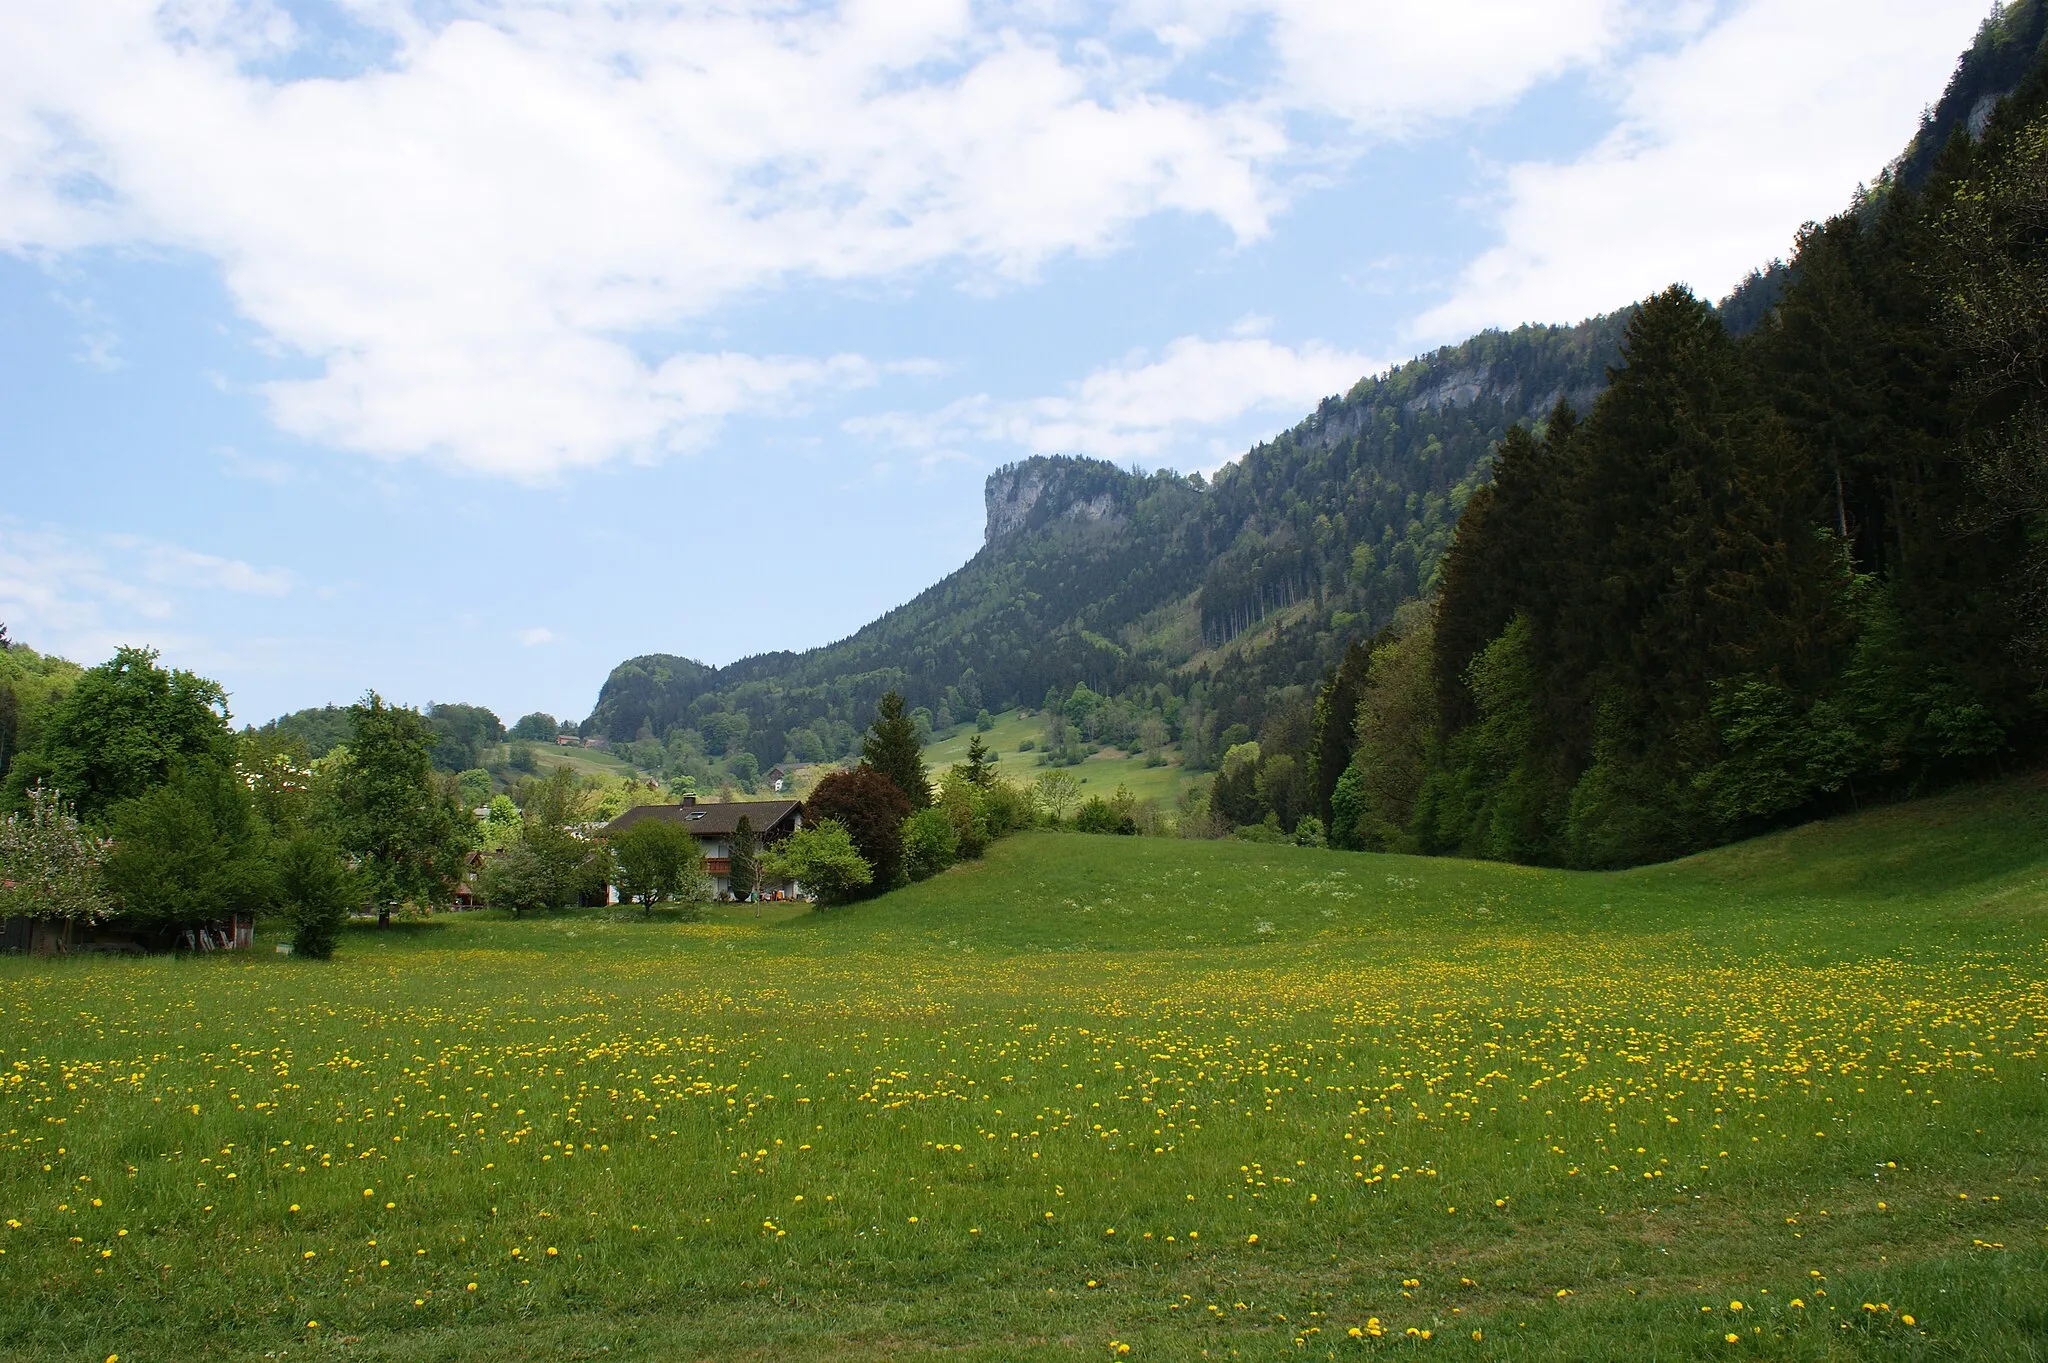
743, 872
1334, 728
891, 748
979, 770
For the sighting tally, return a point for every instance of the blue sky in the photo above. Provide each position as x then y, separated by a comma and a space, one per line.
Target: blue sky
462, 350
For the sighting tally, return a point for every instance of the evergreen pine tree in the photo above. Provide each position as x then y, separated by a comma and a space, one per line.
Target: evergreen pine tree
891, 748
980, 768
745, 865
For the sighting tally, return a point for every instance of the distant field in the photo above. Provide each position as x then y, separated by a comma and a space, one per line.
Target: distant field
582, 761
1099, 775
1196, 1100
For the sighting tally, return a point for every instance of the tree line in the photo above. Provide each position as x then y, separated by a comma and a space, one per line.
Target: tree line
1762, 578
136, 800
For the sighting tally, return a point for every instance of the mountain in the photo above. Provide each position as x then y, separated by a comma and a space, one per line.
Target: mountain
1219, 590
1217, 602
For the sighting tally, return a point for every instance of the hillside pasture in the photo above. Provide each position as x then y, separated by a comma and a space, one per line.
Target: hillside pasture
1086, 1098
1100, 775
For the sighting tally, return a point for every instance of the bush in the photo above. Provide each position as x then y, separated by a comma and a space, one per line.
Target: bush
49, 864
961, 799
825, 861
1009, 808
1098, 815
316, 891
930, 843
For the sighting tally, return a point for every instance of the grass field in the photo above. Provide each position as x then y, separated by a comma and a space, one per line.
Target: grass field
1089, 1095
1099, 775
582, 761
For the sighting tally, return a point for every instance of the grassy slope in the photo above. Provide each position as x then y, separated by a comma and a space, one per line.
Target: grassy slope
1099, 775
583, 761
1615, 1104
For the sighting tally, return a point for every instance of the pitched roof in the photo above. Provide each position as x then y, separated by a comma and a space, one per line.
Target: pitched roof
711, 821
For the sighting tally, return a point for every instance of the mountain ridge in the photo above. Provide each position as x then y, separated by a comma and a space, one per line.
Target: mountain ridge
1229, 595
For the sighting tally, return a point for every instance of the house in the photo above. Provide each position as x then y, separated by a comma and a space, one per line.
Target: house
464, 895
713, 826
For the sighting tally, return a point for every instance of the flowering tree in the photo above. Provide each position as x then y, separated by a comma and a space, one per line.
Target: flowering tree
50, 865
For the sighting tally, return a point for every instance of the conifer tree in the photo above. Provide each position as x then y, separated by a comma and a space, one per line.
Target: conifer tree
891, 748
745, 865
980, 767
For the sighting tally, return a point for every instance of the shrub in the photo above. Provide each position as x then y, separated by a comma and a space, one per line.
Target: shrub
49, 865
961, 799
1098, 815
1009, 807
825, 860
316, 891
930, 843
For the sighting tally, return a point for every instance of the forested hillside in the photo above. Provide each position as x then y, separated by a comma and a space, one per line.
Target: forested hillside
1188, 600
1762, 577
1835, 393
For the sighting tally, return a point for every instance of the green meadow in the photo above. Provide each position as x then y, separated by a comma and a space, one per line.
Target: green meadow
1100, 775
1086, 1098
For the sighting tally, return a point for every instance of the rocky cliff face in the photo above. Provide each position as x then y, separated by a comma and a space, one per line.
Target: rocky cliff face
1038, 492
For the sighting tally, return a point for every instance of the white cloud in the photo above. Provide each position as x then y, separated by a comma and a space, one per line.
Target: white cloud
465, 241
1767, 120
535, 636
83, 597
1392, 66
1141, 408
506, 243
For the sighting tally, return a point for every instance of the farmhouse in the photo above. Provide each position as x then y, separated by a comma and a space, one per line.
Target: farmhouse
713, 825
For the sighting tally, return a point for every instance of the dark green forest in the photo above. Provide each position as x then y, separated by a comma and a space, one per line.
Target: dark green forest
1763, 577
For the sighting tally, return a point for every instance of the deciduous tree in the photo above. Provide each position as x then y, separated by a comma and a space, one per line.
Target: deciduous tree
1057, 791
407, 833
826, 861
743, 866
50, 864
871, 808
120, 729
654, 861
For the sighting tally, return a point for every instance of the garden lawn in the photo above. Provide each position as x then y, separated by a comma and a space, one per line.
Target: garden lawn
1090, 1094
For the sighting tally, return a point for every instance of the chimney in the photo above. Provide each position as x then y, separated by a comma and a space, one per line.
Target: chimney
689, 799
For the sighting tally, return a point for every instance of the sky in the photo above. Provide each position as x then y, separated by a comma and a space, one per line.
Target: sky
462, 349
